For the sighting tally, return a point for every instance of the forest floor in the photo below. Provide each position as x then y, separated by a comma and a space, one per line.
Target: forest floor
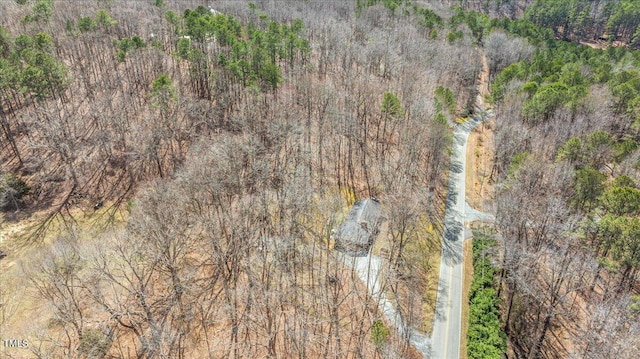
22, 312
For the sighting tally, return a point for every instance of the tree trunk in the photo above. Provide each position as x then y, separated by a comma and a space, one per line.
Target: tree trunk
535, 351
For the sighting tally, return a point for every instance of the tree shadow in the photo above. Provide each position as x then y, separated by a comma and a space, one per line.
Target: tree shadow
441, 300
456, 167
452, 200
452, 252
452, 231
460, 138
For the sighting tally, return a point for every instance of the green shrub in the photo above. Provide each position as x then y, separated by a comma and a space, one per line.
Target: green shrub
12, 189
94, 343
86, 24
485, 336
379, 333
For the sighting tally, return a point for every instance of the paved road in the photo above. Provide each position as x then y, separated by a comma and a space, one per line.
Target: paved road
445, 340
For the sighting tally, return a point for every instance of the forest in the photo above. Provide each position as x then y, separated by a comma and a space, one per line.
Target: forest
171, 173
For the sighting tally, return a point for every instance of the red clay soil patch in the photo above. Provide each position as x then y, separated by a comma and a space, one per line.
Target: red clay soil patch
480, 153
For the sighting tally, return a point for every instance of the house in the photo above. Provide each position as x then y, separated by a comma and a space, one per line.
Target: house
356, 234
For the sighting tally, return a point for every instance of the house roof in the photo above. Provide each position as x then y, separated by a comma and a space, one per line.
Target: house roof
361, 223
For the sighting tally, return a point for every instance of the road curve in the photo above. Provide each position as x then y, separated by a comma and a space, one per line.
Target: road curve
447, 326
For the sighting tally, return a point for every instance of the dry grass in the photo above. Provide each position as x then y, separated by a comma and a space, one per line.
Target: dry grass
431, 266
461, 120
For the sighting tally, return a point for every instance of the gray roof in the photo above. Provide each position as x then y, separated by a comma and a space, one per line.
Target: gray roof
357, 233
